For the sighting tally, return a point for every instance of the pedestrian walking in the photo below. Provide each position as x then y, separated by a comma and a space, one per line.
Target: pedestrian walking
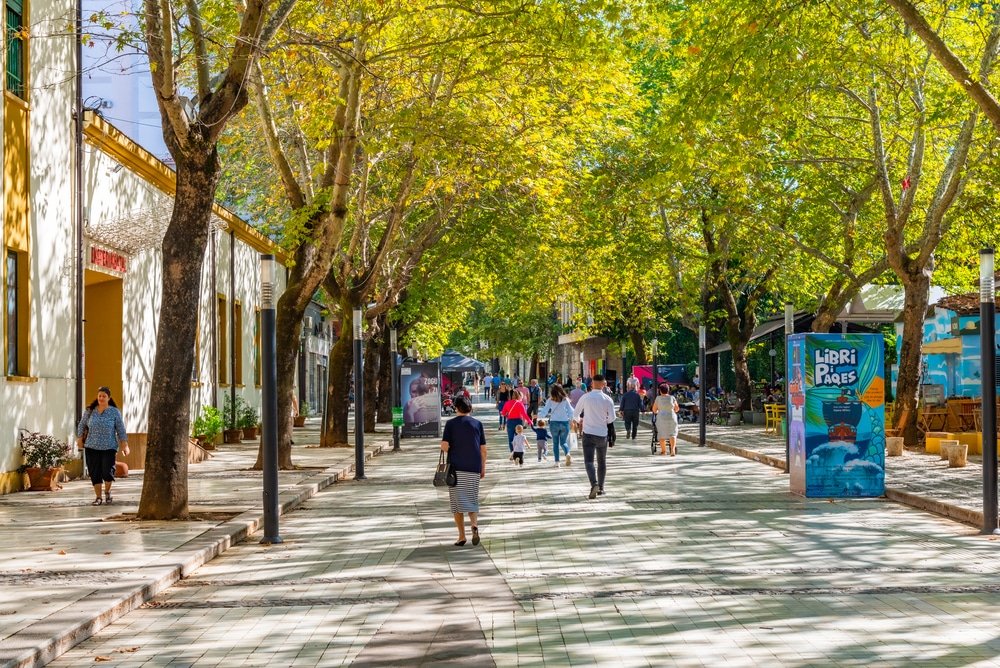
665, 409
100, 433
523, 392
575, 393
464, 441
534, 397
518, 445
630, 407
559, 412
503, 395
597, 411
516, 415
487, 385
541, 439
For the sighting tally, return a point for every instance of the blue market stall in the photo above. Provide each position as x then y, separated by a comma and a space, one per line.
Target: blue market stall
836, 409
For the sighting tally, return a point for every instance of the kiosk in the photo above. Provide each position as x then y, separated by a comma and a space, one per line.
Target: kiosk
836, 415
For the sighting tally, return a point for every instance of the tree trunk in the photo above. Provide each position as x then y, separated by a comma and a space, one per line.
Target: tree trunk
917, 286
339, 385
744, 387
384, 405
373, 348
165, 485
639, 346
831, 306
535, 360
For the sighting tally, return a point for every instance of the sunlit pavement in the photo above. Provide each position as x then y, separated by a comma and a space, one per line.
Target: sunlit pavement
699, 559
69, 567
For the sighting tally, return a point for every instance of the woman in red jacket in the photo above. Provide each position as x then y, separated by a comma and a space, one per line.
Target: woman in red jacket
516, 414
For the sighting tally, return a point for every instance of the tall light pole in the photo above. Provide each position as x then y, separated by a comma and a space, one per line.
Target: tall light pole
987, 345
395, 391
269, 400
701, 387
656, 384
581, 367
789, 330
359, 400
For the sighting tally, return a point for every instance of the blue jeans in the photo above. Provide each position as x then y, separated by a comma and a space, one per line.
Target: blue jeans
595, 445
503, 420
512, 425
560, 430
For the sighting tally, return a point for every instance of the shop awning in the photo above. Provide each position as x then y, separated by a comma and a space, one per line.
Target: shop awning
453, 360
759, 331
949, 346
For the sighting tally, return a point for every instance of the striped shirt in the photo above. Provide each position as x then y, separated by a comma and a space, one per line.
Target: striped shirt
107, 429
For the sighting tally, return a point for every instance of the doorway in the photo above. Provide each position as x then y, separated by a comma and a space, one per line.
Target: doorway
102, 335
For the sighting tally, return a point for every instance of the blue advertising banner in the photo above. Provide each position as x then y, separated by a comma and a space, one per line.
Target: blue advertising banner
420, 394
836, 415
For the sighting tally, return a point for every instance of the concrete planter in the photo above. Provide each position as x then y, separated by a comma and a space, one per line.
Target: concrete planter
759, 418
894, 446
747, 417
943, 445
734, 419
958, 455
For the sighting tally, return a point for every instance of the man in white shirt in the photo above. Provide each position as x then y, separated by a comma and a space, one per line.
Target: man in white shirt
595, 411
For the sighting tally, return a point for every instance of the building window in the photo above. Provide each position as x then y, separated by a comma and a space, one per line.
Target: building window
15, 48
11, 319
223, 339
238, 343
257, 350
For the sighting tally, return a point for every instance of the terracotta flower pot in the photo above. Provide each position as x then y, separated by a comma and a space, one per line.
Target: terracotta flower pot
233, 435
44, 480
250, 433
299, 421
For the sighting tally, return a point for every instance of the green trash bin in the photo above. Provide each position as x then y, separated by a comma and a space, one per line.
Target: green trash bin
784, 426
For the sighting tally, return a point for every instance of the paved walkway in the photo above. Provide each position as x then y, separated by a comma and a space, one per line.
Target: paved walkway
703, 559
70, 568
918, 479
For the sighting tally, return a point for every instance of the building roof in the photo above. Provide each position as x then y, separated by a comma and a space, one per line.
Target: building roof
967, 304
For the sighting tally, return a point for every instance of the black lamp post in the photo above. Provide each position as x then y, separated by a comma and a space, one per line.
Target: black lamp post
269, 400
655, 345
359, 400
789, 330
581, 367
987, 343
701, 386
395, 389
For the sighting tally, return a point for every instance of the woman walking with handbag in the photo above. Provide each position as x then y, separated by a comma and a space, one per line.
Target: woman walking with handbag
101, 432
559, 412
464, 441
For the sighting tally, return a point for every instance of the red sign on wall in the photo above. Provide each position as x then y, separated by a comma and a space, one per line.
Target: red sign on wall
108, 259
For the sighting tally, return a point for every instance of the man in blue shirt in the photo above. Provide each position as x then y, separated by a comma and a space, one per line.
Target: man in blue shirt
595, 411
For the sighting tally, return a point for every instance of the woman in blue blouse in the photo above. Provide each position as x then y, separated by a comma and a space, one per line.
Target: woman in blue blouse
105, 433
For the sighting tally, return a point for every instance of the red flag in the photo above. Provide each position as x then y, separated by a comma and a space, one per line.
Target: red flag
906, 184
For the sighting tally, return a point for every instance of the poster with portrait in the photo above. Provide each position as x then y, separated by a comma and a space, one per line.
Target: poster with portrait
420, 394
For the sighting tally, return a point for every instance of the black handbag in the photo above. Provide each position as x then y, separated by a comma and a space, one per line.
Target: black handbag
442, 472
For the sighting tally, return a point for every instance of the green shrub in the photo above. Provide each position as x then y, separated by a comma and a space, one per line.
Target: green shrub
43, 451
209, 423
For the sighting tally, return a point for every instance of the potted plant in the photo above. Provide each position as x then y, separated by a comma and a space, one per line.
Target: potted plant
207, 426
232, 433
44, 456
248, 421
300, 419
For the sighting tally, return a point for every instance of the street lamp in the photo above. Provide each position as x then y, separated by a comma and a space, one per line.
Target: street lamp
987, 345
581, 367
396, 408
655, 346
773, 353
789, 330
359, 400
269, 400
701, 387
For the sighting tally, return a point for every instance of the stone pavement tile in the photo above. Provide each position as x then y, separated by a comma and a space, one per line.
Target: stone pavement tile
694, 558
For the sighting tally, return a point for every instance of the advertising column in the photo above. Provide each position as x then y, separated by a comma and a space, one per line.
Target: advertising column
420, 395
836, 411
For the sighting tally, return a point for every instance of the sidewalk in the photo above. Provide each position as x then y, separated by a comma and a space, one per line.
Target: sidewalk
704, 559
70, 568
916, 479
